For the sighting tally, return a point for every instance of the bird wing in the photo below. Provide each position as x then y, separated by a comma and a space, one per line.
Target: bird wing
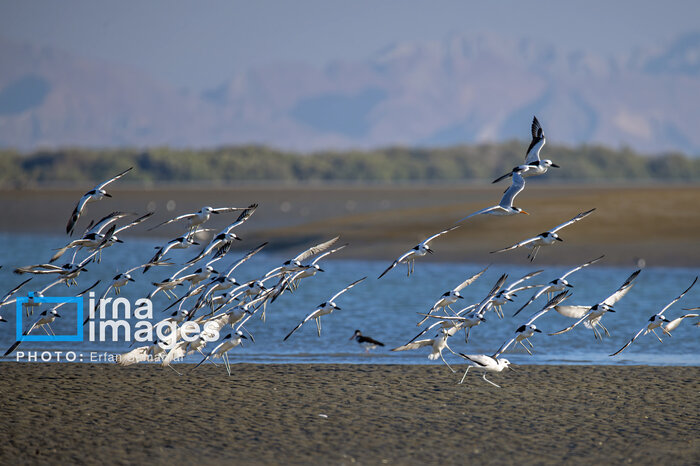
522, 279
677, 321
105, 183
329, 252
134, 356
504, 347
50, 285
482, 360
393, 264
248, 255
414, 345
470, 280
245, 215
517, 245
224, 210
629, 342
312, 251
346, 289
679, 297
556, 300
426, 241
106, 221
306, 319
38, 269
574, 312
576, 269
516, 186
537, 138
76, 214
14, 290
181, 217
622, 291
573, 220
572, 325
478, 212
364, 338
135, 222
534, 297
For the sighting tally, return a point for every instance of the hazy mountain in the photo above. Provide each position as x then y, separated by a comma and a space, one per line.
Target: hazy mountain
461, 90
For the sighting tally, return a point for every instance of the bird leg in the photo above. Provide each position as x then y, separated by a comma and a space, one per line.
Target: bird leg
529, 342
484, 377
51, 330
526, 349
318, 325
228, 364
174, 369
465, 374
656, 335
604, 329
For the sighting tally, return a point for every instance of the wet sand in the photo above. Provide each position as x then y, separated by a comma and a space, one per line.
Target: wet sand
344, 414
656, 223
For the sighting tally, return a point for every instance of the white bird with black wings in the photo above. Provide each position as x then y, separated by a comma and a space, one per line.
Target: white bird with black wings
324, 309
505, 207
591, 315
419, 250
544, 239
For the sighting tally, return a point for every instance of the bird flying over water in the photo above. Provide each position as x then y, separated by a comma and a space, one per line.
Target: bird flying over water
419, 250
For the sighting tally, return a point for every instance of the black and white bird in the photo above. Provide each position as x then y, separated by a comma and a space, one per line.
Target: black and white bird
436, 345
323, 309
181, 242
419, 250
295, 264
221, 350
223, 241
196, 219
591, 316
96, 194
544, 239
505, 207
556, 285
658, 320
528, 329
44, 321
369, 343
533, 165
485, 363
92, 237
508, 293
448, 298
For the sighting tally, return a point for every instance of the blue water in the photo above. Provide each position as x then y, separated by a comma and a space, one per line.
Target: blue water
384, 309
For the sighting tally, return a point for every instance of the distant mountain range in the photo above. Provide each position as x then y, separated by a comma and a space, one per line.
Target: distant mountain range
462, 90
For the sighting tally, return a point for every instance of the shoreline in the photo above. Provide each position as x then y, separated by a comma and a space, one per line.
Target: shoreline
344, 414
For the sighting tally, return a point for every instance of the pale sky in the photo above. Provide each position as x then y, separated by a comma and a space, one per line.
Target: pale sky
199, 44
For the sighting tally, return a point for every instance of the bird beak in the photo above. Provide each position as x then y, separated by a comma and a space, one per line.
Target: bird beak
555, 165
666, 320
429, 250
570, 286
321, 270
131, 280
195, 243
538, 330
108, 195
217, 213
243, 336
2, 319
559, 239
214, 271
337, 308
523, 212
611, 310
460, 297
238, 238
510, 366
57, 315
118, 240
351, 338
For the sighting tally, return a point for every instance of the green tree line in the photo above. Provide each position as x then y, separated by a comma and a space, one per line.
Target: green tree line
394, 164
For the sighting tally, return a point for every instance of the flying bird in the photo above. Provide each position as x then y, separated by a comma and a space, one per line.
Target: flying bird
324, 309
97, 193
196, 219
533, 165
591, 315
223, 241
420, 250
658, 320
505, 207
544, 239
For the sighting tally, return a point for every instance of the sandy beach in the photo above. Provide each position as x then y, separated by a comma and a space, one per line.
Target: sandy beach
656, 223
345, 414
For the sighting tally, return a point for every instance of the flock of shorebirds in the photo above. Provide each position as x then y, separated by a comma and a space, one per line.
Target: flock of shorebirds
216, 301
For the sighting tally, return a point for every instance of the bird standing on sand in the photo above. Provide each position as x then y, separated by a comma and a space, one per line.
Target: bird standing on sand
368, 342
658, 320
229, 342
544, 239
505, 207
96, 194
419, 250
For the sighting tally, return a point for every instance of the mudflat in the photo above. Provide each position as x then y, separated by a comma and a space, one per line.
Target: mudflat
344, 414
659, 224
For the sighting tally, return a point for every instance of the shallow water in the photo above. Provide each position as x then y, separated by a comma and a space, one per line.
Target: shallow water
384, 309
